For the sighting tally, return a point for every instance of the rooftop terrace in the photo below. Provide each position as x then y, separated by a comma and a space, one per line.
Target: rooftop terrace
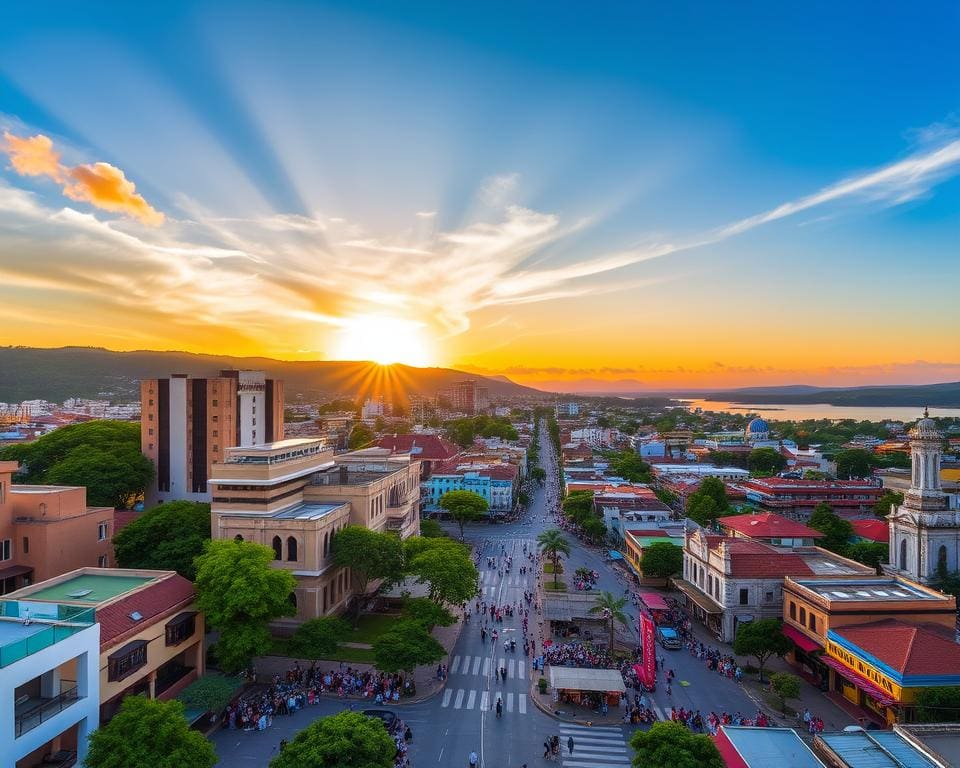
27, 627
91, 588
868, 589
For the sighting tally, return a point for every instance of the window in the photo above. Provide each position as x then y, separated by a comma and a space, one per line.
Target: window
238, 537
768, 597
277, 548
150, 431
5, 549
150, 446
942, 559
216, 403
149, 417
181, 627
150, 402
102, 561
26, 545
291, 549
744, 596
216, 418
813, 621
803, 615
216, 433
102, 532
903, 554
793, 610
127, 660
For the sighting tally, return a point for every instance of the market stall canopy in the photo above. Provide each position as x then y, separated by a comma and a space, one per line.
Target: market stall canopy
570, 607
654, 602
582, 679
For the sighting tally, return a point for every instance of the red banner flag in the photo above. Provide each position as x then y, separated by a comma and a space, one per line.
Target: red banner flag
648, 643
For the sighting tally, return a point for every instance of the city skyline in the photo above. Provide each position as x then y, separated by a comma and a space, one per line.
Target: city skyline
695, 197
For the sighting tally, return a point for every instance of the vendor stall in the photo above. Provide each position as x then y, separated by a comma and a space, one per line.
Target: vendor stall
591, 688
569, 615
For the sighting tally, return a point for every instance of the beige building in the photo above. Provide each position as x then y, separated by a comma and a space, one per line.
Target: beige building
151, 635
46, 530
294, 495
186, 425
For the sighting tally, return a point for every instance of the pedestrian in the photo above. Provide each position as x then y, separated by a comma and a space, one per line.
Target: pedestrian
570, 744
546, 750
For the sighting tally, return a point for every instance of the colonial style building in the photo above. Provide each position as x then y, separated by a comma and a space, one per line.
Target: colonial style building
925, 529
295, 495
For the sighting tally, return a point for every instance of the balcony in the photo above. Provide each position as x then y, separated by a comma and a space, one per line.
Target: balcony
401, 524
33, 711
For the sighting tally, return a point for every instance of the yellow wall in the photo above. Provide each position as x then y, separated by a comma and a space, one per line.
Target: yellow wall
854, 664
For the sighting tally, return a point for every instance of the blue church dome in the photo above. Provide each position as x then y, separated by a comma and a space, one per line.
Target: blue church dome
757, 426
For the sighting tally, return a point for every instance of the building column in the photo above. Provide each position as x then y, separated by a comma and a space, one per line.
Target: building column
83, 736
152, 693
50, 684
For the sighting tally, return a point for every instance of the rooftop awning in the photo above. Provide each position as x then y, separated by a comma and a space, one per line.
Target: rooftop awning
865, 685
127, 649
802, 642
698, 597
582, 679
569, 607
614, 555
654, 602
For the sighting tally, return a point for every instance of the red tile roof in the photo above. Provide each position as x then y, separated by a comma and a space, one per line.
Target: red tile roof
153, 601
924, 649
875, 530
428, 447
768, 566
768, 525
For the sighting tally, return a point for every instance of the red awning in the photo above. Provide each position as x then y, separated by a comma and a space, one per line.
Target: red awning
654, 602
865, 685
802, 642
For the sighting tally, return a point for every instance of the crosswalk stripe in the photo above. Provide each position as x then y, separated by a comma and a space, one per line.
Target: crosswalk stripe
502, 664
593, 747
466, 665
512, 670
659, 713
476, 665
567, 763
458, 702
509, 702
446, 697
522, 670
522, 703
486, 666
485, 701
575, 729
455, 665
471, 699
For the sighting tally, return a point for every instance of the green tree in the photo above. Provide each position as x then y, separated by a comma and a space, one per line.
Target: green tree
611, 609
872, 553
319, 638
369, 555
240, 592
594, 529
148, 733
666, 496
406, 646
889, 499
761, 639
727, 459
854, 463
464, 507
939, 704
461, 432
448, 571
703, 510
344, 740
210, 693
662, 560
553, 544
168, 537
672, 744
578, 506
427, 612
836, 531
765, 461
379, 424
360, 436
431, 529
785, 686
539, 474
715, 488
629, 466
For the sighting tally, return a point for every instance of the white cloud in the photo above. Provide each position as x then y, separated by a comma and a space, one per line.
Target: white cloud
496, 190
425, 214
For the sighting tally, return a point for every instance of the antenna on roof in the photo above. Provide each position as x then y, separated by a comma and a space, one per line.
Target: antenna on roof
926, 412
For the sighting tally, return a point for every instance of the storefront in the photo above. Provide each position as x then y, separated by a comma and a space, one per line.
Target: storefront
590, 688
806, 656
701, 607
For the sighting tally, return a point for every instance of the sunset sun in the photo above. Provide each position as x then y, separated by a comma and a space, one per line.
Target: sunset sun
383, 340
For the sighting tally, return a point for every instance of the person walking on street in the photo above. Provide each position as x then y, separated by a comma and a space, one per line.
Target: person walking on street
570, 744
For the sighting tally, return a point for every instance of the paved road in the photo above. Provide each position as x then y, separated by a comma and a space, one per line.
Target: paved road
462, 719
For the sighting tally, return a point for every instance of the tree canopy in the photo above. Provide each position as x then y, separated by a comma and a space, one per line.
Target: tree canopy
240, 593
369, 555
318, 638
427, 612
761, 639
854, 463
148, 733
448, 571
629, 466
672, 744
883, 505
836, 531
553, 544
873, 553
708, 502
785, 686
168, 537
765, 461
610, 608
103, 456
464, 431
345, 740
939, 704
662, 560
464, 507
405, 646
360, 436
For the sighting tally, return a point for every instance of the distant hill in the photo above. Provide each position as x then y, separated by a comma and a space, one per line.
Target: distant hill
935, 395
28, 373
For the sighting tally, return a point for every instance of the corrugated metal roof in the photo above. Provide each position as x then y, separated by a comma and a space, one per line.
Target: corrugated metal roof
876, 749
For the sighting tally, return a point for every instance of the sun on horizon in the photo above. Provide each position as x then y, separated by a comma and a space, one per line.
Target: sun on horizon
383, 340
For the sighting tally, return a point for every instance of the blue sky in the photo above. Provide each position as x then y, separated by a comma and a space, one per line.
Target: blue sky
424, 139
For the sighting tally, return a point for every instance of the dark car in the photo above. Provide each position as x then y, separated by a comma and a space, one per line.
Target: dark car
390, 720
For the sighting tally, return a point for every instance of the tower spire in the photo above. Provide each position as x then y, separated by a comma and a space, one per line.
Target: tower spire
926, 412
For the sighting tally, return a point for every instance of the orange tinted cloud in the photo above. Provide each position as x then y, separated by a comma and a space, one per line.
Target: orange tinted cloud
100, 184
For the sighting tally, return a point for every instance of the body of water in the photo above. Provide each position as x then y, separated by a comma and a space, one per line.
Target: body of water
799, 412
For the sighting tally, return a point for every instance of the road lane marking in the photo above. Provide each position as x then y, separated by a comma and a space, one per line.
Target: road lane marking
509, 702
522, 703
446, 697
458, 702
466, 665
486, 666
471, 699
455, 665
476, 666
485, 701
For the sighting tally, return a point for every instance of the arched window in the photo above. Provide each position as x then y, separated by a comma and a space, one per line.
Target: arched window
293, 600
942, 559
277, 548
803, 615
903, 554
793, 610
326, 544
238, 537
291, 549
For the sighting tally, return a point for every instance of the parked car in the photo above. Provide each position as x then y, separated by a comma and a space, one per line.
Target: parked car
668, 638
390, 720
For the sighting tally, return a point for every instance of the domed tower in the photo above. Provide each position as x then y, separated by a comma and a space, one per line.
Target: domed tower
924, 531
757, 429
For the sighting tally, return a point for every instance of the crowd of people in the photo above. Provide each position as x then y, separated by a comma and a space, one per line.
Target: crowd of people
577, 655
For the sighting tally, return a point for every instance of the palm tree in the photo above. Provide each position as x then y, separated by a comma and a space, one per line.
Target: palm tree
612, 609
553, 545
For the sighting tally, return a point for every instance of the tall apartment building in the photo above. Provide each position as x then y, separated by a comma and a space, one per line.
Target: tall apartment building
294, 495
468, 397
46, 530
186, 425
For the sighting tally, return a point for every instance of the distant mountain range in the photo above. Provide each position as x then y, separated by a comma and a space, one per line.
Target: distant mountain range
28, 373
935, 395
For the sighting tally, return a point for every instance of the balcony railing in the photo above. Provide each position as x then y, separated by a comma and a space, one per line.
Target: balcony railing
30, 719
51, 624
399, 523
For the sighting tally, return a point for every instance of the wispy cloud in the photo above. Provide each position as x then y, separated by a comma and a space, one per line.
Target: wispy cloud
102, 185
